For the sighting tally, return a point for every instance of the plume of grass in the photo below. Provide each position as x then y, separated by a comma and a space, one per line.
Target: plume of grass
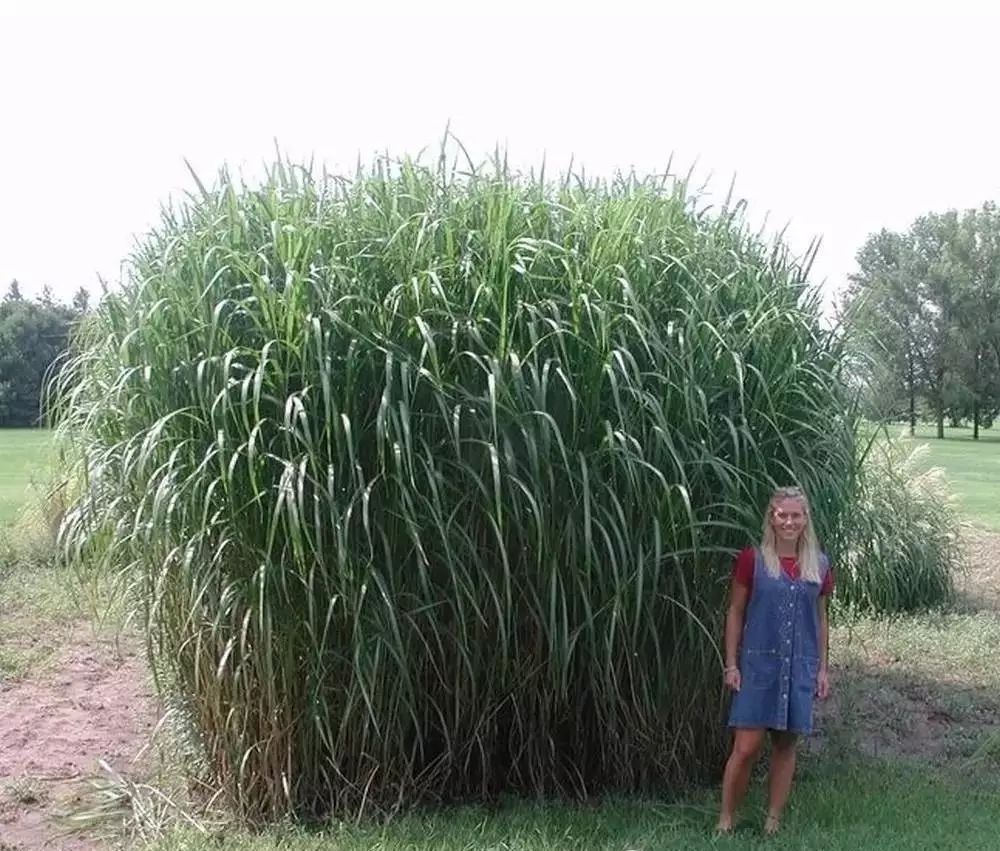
902, 532
426, 481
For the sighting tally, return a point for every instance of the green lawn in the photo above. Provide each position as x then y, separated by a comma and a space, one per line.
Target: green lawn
23, 457
972, 468
835, 808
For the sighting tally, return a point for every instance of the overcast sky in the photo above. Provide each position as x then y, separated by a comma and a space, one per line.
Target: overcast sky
835, 121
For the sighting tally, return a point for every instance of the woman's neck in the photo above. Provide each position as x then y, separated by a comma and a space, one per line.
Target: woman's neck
786, 549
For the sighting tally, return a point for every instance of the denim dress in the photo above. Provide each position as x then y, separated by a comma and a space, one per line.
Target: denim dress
779, 654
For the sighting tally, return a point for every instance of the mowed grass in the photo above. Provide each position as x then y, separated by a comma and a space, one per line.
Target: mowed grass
835, 806
39, 603
24, 455
39, 607
972, 468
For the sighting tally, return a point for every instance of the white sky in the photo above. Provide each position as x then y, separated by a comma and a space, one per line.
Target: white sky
837, 122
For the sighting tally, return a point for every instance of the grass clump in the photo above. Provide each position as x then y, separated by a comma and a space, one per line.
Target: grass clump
902, 533
427, 481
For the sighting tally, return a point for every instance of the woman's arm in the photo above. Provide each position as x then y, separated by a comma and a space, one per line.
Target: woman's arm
738, 596
823, 678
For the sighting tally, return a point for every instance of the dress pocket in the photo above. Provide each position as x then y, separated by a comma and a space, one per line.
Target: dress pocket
762, 669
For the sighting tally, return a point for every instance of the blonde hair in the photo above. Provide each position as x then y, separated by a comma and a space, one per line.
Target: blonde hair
808, 544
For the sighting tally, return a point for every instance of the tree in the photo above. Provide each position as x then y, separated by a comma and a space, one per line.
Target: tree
33, 335
881, 310
933, 276
924, 309
976, 254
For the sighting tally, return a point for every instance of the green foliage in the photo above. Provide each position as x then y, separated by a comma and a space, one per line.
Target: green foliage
427, 482
924, 308
33, 335
904, 535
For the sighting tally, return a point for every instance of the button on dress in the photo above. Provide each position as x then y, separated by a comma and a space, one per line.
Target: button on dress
779, 654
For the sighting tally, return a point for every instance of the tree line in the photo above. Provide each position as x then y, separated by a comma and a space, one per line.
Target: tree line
923, 312
34, 334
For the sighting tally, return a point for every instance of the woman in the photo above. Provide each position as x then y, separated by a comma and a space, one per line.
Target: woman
776, 650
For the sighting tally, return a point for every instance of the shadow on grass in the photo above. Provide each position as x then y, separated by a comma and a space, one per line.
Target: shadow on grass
923, 691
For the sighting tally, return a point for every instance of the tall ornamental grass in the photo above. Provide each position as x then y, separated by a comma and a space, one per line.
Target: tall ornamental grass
428, 480
902, 534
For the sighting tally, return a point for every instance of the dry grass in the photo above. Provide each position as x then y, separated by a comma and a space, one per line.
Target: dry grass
925, 687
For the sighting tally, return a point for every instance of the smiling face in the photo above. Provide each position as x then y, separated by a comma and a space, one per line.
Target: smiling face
788, 519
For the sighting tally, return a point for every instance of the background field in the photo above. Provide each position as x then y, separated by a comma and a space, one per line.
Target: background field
23, 460
972, 468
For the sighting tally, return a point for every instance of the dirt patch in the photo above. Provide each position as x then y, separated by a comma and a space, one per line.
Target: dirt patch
895, 715
924, 687
93, 702
981, 588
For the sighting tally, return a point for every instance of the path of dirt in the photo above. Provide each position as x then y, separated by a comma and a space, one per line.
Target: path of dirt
981, 588
883, 706
90, 704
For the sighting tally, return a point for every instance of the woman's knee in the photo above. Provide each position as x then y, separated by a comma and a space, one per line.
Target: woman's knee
746, 748
783, 742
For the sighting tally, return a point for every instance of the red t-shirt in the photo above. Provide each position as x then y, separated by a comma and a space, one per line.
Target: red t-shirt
743, 570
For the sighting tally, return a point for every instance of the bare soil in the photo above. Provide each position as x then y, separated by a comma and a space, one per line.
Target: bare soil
924, 689
94, 701
981, 588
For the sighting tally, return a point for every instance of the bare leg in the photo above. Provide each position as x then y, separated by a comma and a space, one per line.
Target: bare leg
780, 777
746, 749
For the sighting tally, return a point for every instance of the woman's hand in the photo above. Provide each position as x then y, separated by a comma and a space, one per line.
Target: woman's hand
823, 684
732, 679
